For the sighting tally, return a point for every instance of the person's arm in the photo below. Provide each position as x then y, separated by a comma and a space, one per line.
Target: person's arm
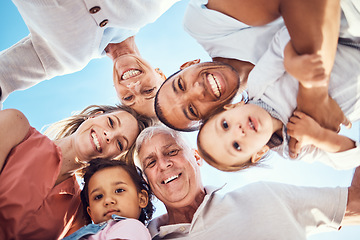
352, 214
308, 132
14, 127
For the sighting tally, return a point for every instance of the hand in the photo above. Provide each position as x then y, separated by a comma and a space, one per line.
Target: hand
308, 69
303, 128
317, 103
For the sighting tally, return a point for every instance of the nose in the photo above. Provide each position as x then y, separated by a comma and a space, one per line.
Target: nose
196, 92
165, 163
109, 201
109, 135
239, 131
134, 87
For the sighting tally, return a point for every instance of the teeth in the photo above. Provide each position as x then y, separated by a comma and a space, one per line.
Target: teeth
96, 141
170, 179
251, 124
215, 85
131, 73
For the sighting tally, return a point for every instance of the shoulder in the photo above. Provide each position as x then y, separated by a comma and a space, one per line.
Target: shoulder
14, 124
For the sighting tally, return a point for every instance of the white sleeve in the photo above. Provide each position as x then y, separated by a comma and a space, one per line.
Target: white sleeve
341, 160
270, 67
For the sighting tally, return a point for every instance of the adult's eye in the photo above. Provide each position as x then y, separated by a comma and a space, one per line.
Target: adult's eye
236, 146
224, 124
111, 122
148, 91
120, 145
151, 164
193, 111
173, 152
128, 98
181, 85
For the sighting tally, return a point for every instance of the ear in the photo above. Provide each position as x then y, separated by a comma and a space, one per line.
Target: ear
89, 211
97, 113
162, 75
198, 158
257, 156
189, 63
143, 198
234, 105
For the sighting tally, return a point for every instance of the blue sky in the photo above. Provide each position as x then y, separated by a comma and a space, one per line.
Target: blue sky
165, 45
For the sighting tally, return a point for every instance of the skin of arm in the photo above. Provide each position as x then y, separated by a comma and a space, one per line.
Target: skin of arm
14, 127
352, 214
308, 132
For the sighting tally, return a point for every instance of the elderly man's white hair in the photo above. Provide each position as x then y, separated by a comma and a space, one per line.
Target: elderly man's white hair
150, 132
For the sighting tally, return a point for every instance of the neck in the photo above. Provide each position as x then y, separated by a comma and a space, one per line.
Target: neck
242, 67
68, 163
277, 126
128, 46
185, 214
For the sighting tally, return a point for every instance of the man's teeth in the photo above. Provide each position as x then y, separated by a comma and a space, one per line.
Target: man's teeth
131, 73
96, 141
171, 179
215, 85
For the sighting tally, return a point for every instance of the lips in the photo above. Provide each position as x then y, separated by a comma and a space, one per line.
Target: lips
253, 124
215, 84
170, 179
111, 212
130, 74
96, 141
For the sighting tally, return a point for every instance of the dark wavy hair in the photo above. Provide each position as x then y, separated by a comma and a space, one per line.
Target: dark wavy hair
135, 174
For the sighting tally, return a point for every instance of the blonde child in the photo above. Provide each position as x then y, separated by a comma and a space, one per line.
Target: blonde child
117, 200
242, 134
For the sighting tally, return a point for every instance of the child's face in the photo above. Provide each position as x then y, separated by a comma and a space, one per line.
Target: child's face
233, 136
112, 191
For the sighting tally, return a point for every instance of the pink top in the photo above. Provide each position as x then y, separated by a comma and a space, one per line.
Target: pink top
30, 206
130, 229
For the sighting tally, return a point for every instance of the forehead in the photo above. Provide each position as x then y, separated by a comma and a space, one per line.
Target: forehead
118, 175
157, 141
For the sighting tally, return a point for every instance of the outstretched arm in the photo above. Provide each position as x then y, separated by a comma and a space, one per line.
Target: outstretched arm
352, 214
14, 127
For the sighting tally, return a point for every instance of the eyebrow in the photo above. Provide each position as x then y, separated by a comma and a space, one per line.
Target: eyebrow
173, 86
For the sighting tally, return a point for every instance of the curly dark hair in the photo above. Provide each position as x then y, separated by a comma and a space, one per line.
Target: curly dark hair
135, 174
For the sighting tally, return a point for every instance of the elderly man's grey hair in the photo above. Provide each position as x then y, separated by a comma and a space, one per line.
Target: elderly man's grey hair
149, 132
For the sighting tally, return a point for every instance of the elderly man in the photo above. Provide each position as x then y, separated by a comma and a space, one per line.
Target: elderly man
280, 211
66, 35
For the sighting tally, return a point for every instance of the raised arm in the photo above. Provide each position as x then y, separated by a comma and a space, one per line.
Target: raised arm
14, 127
352, 214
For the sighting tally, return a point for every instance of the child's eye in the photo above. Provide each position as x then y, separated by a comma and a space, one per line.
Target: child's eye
224, 124
111, 122
236, 146
148, 91
98, 197
119, 190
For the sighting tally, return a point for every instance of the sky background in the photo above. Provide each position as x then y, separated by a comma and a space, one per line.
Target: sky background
165, 45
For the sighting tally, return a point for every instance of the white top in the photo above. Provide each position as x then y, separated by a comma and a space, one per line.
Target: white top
65, 35
271, 211
224, 36
269, 82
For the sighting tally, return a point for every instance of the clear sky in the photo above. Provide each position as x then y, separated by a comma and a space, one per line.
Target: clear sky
165, 45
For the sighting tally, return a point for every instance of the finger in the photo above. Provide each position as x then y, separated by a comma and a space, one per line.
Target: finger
347, 123
292, 148
299, 114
